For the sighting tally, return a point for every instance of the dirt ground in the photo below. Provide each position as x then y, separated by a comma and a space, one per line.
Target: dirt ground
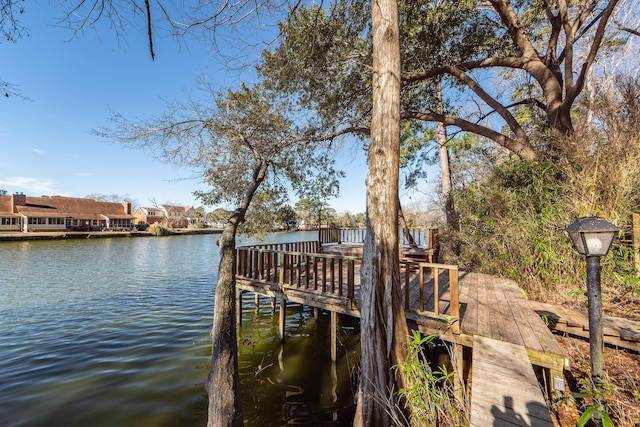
621, 396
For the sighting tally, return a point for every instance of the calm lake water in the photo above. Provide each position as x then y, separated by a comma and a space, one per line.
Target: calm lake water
115, 332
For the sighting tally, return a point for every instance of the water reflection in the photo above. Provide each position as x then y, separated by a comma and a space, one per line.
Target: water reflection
115, 332
296, 380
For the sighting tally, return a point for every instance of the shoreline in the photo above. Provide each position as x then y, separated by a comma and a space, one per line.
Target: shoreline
53, 235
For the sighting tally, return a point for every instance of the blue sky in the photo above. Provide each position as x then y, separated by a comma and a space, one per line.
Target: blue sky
73, 85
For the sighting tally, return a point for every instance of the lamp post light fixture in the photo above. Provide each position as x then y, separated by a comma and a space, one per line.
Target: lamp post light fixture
592, 237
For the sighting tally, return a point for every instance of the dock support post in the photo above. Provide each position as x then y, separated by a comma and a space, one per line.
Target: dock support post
334, 336
256, 301
458, 365
316, 313
239, 307
281, 320
273, 304
334, 388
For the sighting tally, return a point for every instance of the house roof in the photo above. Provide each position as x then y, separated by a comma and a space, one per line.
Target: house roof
5, 205
146, 211
57, 206
176, 209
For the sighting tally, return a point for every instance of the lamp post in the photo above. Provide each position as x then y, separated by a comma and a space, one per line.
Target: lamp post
592, 237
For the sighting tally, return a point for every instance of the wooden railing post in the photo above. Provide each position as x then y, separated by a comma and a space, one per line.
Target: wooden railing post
351, 291
315, 273
332, 276
421, 284
436, 291
282, 266
455, 299
307, 271
324, 274
340, 276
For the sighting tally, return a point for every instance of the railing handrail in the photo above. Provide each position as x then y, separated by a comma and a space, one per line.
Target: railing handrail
287, 246
333, 275
315, 254
423, 236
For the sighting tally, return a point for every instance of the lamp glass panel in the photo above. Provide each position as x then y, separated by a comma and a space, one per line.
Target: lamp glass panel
578, 244
598, 243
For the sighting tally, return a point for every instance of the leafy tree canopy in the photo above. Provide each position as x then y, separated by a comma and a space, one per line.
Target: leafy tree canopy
504, 67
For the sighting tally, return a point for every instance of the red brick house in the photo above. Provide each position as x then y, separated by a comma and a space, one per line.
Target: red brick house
22, 213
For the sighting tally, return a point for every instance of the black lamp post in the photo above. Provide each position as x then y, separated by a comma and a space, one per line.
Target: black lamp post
592, 237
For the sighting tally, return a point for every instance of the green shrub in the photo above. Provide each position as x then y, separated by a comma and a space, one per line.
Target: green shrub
430, 396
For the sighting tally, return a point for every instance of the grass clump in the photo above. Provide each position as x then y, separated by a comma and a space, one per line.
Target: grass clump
431, 397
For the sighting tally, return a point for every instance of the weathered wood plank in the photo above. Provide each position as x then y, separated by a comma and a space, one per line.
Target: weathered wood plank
484, 309
504, 387
470, 318
529, 339
616, 330
502, 325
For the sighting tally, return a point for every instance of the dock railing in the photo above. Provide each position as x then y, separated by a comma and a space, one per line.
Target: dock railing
429, 299
300, 266
328, 274
423, 237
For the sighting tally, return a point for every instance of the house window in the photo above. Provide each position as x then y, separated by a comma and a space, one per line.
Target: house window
37, 220
9, 221
56, 221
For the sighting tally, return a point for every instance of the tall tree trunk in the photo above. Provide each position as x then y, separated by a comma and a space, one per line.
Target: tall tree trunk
383, 325
445, 166
223, 383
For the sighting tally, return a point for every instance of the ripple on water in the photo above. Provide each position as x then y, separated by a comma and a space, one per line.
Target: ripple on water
115, 332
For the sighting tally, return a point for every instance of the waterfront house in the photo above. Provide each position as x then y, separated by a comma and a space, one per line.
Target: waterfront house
180, 216
174, 216
19, 212
148, 215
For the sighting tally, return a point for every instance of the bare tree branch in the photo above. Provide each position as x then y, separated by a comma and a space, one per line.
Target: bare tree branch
574, 91
523, 150
149, 29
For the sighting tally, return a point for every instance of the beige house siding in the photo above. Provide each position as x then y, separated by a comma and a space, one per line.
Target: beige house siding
62, 213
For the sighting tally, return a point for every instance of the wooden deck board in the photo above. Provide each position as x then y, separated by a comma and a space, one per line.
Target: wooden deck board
504, 388
469, 299
617, 332
502, 325
529, 340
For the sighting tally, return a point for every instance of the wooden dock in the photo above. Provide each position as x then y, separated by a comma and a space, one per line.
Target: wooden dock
504, 387
491, 316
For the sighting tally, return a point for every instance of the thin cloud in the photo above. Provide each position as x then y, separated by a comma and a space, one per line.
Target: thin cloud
35, 150
29, 185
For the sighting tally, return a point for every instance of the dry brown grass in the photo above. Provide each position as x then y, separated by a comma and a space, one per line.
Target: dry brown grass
622, 395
